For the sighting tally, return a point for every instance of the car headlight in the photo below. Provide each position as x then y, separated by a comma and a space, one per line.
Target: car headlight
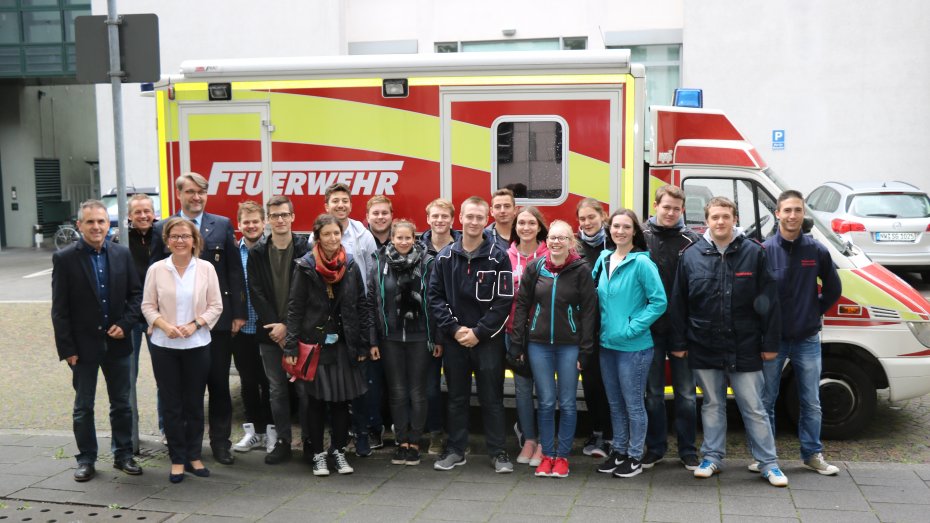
921, 331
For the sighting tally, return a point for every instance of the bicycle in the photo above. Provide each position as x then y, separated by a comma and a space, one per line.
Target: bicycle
65, 235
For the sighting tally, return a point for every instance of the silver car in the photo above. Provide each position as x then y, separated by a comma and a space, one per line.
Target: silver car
889, 221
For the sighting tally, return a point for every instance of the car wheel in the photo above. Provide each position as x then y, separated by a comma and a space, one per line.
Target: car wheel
847, 399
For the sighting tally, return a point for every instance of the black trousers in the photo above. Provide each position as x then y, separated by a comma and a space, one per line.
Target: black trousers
487, 361
405, 369
595, 396
220, 403
316, 419
181, 376
254, 384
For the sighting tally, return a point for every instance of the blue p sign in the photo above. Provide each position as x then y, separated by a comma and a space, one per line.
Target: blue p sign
778, 139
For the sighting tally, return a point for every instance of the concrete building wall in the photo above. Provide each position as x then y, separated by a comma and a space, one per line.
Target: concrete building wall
60, 124
209, 29
845, 79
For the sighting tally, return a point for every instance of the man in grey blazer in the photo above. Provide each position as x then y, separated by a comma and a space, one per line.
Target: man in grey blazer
220, 249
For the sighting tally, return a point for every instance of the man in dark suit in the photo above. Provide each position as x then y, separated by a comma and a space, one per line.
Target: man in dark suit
220, 249
96, 295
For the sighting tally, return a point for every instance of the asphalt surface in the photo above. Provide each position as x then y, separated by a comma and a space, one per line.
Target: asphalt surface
883, 476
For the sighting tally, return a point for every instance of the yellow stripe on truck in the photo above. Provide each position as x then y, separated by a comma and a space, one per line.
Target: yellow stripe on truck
588, 177
471, 146
225, 126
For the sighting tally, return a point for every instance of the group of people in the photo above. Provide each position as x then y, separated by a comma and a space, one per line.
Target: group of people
387, 311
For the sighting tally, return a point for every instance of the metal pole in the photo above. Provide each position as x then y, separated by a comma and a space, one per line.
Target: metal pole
116, 87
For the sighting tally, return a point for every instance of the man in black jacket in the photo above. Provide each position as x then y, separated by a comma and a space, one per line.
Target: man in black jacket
96, 297
270, 269
666, 236
470, 294
726, 321
219, 248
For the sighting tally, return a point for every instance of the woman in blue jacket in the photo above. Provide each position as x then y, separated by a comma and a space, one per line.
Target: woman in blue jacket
631, 298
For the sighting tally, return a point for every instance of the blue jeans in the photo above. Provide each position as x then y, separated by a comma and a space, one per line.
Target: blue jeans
625, 382
685, 403
547, 361
523, 395
747, 387
84, 379
807, 364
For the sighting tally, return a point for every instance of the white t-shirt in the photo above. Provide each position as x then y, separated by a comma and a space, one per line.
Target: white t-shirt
184, 293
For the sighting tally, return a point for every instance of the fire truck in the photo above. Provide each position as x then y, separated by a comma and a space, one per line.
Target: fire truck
555, 127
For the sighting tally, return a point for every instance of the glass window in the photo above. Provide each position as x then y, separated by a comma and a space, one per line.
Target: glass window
542, 44
9, 61
813, 199
830, 200
44, 59
878, 205
70, 15
9, 27
41, 27
529, 158
447, 47
7, 4
39, 3
575, 43
755, 206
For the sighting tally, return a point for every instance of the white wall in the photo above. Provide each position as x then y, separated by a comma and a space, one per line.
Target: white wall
846, 79
65, 116
208, 29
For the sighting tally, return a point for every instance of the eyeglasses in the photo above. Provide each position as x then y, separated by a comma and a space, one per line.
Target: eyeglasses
279, 216
559, 239
180, 237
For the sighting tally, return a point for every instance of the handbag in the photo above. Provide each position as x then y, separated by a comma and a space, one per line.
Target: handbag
308, 359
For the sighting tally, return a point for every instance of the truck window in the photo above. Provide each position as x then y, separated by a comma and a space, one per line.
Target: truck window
756, 207
528, 158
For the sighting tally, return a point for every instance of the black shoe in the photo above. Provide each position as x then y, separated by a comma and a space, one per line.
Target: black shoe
612, 462
376, 438
202, 472
223, 456
84, 472
400, 456
280, 453
129, 466
650, 459
413, 456
629, 468
175, 478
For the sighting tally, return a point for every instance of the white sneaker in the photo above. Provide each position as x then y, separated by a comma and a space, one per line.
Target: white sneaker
342, 464
820, 465
320, 468
753, 467
776, 477
271, 436
250, 440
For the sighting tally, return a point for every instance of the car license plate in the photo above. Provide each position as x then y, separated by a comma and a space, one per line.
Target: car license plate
895, 236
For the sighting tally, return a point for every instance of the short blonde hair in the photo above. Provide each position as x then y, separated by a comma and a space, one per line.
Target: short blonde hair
173, 223
379, 198
442, 203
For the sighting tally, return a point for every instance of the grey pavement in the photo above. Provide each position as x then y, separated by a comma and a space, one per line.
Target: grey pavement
36, 485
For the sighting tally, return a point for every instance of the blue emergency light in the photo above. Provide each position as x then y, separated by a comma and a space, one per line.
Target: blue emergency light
693, 98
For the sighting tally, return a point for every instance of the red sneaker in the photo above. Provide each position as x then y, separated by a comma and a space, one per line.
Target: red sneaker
544, 470
559, 468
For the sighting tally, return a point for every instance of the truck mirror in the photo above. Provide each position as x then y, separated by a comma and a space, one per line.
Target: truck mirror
807, 225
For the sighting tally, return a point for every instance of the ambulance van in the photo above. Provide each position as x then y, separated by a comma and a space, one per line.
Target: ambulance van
556, 127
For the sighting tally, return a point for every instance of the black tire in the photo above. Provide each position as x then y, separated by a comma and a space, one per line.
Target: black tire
847, 399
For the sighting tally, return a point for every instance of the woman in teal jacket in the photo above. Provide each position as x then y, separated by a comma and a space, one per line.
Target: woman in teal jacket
631, 298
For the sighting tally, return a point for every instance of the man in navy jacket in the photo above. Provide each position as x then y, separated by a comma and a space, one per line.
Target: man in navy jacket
220, 249
96, 295
470, 294
798, 260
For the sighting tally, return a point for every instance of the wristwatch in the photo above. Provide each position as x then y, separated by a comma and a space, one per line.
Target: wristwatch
197, 323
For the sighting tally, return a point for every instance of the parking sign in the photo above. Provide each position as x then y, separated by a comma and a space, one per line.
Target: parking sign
778, 140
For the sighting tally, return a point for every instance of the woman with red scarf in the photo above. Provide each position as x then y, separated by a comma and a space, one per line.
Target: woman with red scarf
326, 307
554, 326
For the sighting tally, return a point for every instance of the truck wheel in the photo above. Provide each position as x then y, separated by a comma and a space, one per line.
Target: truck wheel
847, 399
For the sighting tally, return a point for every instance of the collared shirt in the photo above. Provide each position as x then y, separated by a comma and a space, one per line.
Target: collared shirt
102, 273
196, 219
184, 287
249, 327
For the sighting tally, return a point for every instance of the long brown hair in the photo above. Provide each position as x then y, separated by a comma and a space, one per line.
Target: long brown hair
639, 239
540, 219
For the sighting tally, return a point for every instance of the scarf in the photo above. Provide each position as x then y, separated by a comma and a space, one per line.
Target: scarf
555, 269
331, 270
406, 267
594, 241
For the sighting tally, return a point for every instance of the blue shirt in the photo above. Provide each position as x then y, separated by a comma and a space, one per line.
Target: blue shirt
102, 273
249, 327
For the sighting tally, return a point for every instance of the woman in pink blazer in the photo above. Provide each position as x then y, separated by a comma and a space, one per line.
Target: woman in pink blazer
182, 302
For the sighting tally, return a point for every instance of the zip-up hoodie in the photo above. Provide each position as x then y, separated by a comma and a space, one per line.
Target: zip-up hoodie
631, 298
560, 309
519, 263
797, 265
472, 290
426, 241
665, 245
382, 289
